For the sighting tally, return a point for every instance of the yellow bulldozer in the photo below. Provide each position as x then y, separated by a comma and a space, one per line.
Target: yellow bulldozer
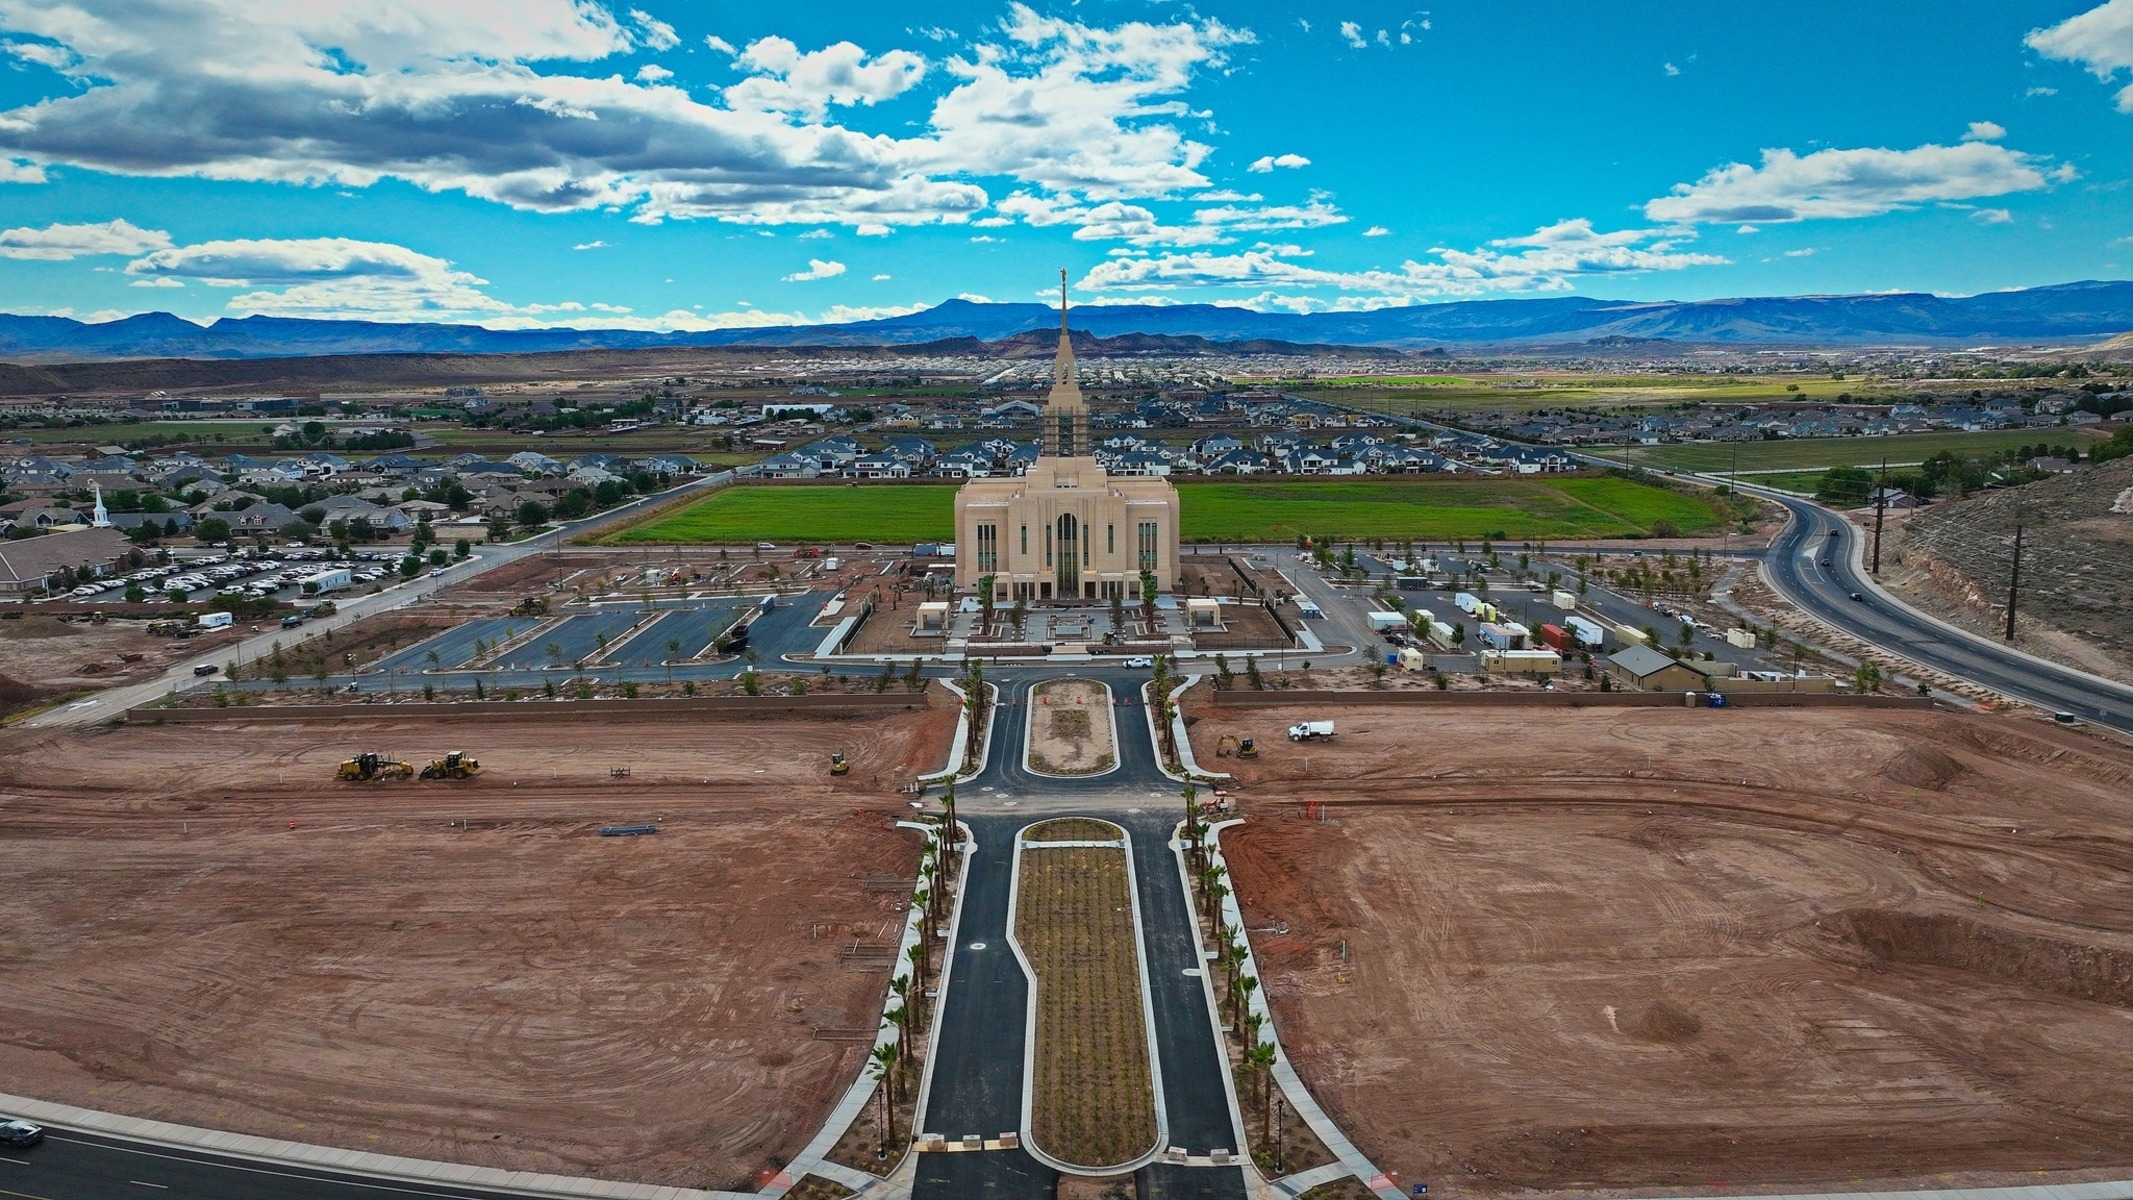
365, 767
837, 764
456, 765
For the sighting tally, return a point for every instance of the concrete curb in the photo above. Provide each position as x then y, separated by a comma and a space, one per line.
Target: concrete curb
810, 1159
966, 849
350, 1162
1214, 1003
1292, 1085
1029, 1038
1029, 717
1186, 757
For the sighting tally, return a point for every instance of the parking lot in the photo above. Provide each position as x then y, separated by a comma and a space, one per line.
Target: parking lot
275, 575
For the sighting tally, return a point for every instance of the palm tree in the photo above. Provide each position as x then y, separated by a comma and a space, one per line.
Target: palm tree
673, 652
882, 1065
922, 900
900, 987
1260, 1060
951, 834
1243, 990
555, 652
917, 955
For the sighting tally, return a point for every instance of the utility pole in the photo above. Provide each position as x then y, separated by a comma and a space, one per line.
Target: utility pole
1881, 508
2014, 582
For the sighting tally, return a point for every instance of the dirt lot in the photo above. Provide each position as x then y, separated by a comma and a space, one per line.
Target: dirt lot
50, 657
1071, 728
204, 929
1610, 949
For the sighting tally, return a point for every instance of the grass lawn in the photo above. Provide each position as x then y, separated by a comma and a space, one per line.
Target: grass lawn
1094, 1097
1519, 509
1803, 453
1514, 508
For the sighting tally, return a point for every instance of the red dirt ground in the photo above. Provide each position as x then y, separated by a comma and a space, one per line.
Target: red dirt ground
203, 928
1585, 950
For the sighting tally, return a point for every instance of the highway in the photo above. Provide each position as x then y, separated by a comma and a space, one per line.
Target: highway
1794, 567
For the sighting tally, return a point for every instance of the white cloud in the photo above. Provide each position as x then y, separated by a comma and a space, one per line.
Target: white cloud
1271, 161
2100, 39
1984, 131
881, 278
655, 33
1546, 260
1992, 216
813, 234
16, 171
1376, 231
2041, 91
807, 84
1226, 196
1747, 229
1077, 109
1851, 183
162, 281
873, 230
595, 244
1670, 69
721, 45
326, 277
984, 239
1353, 34
59, 243
653, 73
1803, 252
816, 269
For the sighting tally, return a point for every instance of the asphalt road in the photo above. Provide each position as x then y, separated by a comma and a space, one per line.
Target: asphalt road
977, 1077
1794, 565
72, 1165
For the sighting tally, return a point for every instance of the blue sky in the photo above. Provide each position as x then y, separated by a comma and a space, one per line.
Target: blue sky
659, 164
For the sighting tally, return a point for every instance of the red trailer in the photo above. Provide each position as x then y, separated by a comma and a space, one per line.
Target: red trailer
1553, 637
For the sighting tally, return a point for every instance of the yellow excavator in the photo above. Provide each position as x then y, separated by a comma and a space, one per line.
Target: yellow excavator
365, 767
837, 764
456, 765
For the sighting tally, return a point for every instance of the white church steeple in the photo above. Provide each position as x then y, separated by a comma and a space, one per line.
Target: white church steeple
1065, 431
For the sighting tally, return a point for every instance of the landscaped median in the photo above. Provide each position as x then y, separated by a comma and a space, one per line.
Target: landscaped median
1070, 729
1092, 1085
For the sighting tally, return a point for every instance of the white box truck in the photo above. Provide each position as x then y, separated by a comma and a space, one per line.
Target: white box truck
216, 620
332, 580
1310, 731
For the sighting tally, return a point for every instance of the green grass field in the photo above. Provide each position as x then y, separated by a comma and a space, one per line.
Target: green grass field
1805, 453
1522, 509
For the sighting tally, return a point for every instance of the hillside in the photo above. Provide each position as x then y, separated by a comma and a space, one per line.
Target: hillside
2071, 313
2076, 603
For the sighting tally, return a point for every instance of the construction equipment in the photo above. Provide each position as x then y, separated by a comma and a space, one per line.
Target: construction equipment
837, 764
456, 765
1225, 745
368, 766
531, 606
1247, 749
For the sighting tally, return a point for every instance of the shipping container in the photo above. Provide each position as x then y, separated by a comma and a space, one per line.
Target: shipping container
1553, 637
1566, 600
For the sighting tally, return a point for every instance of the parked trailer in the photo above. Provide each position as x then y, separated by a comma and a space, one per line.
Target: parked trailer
1310, 731
216, 620
1590, 635
1468, 603
1387, 622
1556, 638
1565, 600
326, 581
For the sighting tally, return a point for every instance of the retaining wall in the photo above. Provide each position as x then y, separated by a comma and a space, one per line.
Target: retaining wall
707, 707
1283, 699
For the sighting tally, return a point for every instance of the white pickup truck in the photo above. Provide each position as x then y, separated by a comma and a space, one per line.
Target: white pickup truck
1310, 731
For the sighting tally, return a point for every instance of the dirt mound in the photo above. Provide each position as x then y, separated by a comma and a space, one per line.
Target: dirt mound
14, 691
1662, 1022
1927, 767
37, 627
2072, 969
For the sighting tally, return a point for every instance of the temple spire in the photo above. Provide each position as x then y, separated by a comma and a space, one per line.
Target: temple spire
1065, 431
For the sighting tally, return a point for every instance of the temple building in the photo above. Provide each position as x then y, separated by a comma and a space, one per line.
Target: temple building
1066, 530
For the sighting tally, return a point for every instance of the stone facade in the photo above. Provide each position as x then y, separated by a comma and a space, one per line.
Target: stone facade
1066, 530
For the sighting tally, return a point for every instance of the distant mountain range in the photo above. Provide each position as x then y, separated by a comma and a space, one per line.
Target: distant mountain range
2069, 312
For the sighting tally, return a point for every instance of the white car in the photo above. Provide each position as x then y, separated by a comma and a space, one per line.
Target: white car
1140, 660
